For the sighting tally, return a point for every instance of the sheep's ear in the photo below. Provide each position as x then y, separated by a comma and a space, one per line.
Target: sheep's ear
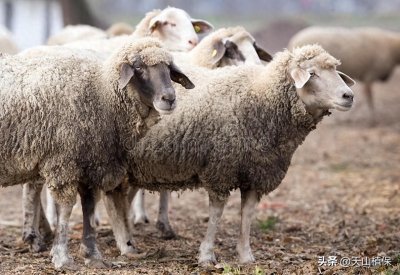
300, 77
125, 75
262, 54
218, 51
179, 77
201, 26
347, 79
154, 24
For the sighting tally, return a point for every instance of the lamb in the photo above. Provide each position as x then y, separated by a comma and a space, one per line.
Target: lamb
7, 45
224, 47
367, 54
241, 133
172, 26
71, 123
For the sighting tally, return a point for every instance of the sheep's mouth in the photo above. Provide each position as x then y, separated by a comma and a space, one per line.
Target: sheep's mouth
345, 106
164, 108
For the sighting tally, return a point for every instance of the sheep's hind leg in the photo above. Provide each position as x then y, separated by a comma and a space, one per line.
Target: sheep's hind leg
116, 204
31, 215
249, 202
139, 208
216, 207
51, 211
163, 224
89, 248
60, 256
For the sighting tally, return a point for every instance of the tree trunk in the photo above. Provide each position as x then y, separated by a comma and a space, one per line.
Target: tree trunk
78, 12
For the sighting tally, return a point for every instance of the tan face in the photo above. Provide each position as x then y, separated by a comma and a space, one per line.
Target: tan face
323, 88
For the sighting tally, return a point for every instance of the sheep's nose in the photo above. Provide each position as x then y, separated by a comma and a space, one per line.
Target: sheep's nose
192, 42
348, 95
169, 97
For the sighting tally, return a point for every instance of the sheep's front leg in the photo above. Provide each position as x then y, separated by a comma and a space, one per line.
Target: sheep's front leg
139, 208
31, 215
116, 204
89, 248
250, 200
163, 221
59, 251
216, 207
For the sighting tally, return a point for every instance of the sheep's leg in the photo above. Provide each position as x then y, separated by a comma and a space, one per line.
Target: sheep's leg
249, 202
139, 208
89, 248
31, 214
116, 204
216, 207
59, 251
163, 221
95, 216
370, 102
51, 211
44, 226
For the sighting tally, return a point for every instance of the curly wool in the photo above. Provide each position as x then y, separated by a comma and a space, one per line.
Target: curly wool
238, 129
63, 120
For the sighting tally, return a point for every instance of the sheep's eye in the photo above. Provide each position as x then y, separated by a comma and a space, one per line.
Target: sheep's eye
312, 74
173, 25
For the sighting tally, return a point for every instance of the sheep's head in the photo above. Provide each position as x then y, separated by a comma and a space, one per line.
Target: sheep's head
177, 30
229, 47
148, 69
319, 85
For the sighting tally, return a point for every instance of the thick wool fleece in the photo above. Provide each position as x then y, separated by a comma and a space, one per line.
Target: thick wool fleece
66, 121
239, 130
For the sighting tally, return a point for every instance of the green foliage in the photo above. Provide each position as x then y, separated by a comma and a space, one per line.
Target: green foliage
268, 224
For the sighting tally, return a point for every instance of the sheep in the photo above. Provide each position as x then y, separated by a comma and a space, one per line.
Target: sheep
367, 54
73, 33
120, 28
224, 47
7, 45
71, 123
172, 26
239, 129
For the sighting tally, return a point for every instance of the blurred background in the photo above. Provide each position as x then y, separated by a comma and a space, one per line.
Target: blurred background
33, 21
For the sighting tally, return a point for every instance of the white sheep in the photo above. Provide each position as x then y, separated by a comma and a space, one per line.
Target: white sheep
72, 123
367, 54
224, 47
241, 133
174, 27
7, 45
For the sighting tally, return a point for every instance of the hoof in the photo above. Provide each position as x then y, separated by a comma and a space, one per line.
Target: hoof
67, 264
97, 263
35, 242
209, 264
166, 231
246, 259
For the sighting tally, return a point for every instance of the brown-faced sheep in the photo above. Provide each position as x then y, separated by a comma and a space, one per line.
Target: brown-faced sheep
72, 123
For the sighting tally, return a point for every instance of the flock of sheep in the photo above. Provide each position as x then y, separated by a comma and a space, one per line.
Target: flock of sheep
95, 113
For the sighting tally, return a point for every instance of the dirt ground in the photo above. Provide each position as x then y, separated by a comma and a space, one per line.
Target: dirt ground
340, 198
